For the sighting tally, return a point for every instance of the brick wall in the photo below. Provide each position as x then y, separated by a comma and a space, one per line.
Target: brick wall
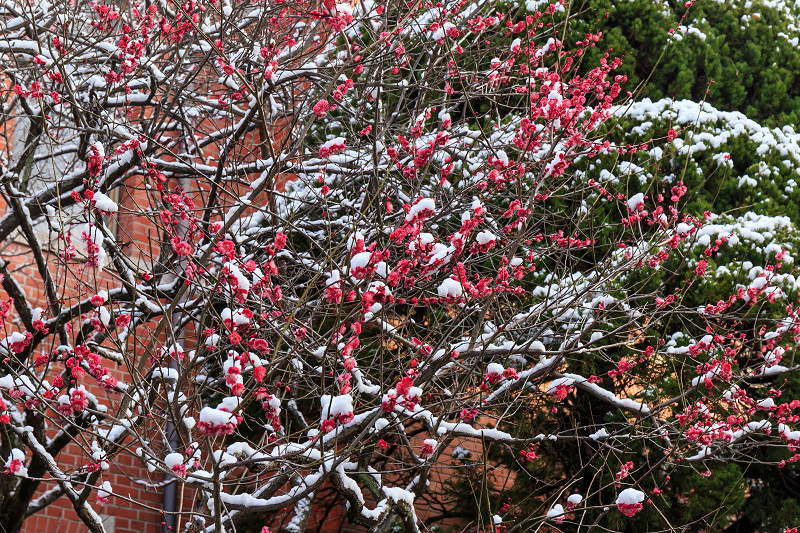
134, 507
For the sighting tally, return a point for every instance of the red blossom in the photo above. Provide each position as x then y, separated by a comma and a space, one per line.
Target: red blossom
181, 247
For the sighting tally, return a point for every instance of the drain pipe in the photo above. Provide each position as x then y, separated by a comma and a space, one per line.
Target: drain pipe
171, 490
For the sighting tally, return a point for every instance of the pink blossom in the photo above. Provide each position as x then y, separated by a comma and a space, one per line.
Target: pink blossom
629, 501
226, 248
427, 447
404, 386
629, 509
78, 400
321, 108
181, 247
13, 466
280, 241
122, 320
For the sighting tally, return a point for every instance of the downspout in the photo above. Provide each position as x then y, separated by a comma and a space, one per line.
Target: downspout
171, 490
